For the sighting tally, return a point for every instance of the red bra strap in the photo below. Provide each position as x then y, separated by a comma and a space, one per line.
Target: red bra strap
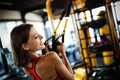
35, 62
32, 70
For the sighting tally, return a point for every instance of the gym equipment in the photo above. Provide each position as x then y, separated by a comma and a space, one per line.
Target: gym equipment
65, 13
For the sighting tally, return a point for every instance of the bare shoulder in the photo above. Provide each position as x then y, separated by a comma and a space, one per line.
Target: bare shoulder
51, 55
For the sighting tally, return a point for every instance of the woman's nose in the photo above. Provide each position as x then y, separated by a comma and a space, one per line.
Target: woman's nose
40, 36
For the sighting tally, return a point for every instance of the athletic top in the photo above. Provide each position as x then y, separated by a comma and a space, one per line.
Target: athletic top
33, 72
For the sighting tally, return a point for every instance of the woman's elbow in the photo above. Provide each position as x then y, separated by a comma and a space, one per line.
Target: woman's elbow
71, 77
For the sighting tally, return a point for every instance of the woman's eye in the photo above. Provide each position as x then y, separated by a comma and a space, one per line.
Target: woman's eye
36, 36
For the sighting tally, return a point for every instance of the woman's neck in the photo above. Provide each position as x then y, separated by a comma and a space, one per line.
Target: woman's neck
34, 54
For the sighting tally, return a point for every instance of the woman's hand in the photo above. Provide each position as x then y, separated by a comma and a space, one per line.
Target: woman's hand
61, 48
47, 48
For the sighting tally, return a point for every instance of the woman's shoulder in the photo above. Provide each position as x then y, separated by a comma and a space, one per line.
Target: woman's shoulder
51, 55
49, 58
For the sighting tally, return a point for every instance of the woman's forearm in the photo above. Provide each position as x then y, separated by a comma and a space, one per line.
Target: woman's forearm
66, 62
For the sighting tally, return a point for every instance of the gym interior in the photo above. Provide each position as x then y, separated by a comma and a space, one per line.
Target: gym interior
90, 30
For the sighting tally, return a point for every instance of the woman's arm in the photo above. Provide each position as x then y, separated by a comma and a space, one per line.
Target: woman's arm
64, 57
61, 69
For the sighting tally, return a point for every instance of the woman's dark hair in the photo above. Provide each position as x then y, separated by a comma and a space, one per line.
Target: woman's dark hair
20, 35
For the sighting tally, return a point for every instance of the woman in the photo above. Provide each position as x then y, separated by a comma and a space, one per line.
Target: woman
25, 42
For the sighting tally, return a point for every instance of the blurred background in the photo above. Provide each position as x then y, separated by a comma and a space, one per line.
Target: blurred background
92, 34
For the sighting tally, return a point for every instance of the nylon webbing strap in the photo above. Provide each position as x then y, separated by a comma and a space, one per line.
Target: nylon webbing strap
54, 37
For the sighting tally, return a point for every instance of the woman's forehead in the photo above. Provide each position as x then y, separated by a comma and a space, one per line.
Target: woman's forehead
32, 31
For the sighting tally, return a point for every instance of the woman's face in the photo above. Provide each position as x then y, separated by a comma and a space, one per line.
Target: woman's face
35, 41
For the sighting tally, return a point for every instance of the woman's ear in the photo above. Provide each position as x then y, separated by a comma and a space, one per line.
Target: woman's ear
25, 47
